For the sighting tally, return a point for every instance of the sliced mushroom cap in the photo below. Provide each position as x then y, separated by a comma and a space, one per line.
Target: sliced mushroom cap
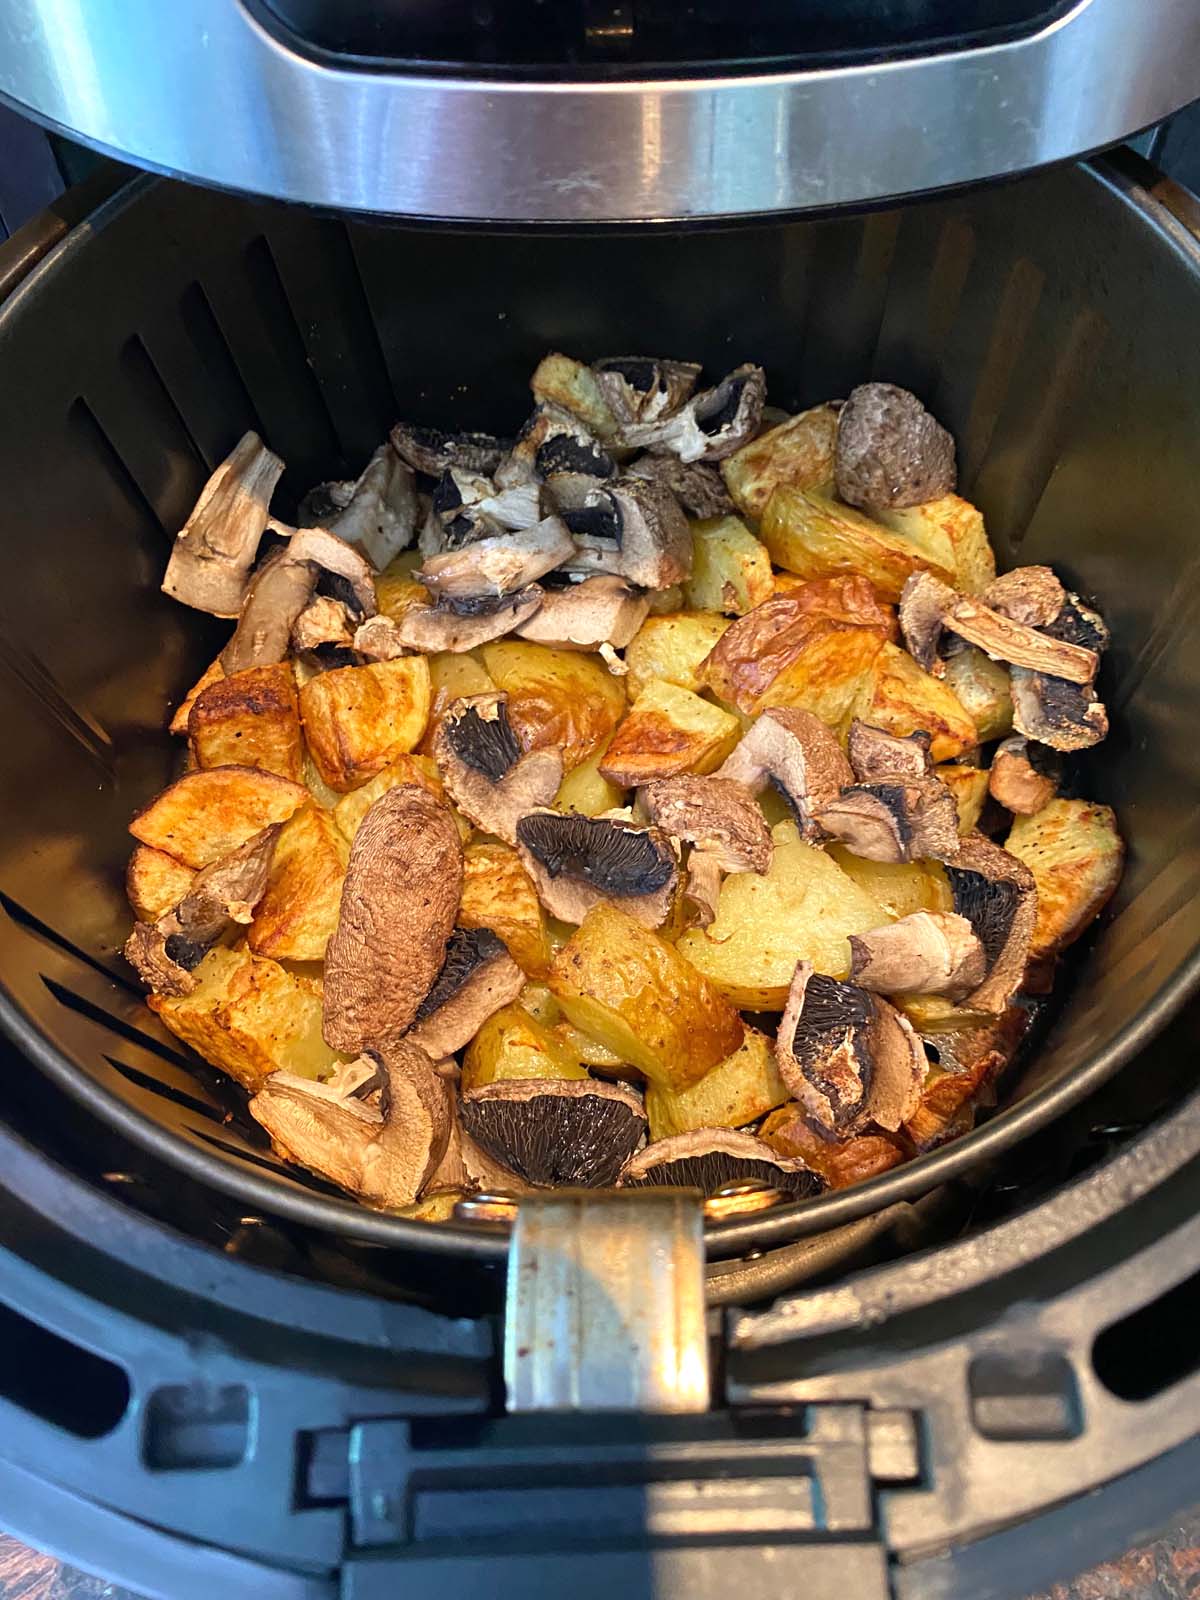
907, 819
1048, 708
556, 1131
163, 963
1018, 644
1023, 776
432, 450
583, 616
457, 625
494, 567
1032, 595
929, 952
344, 572
377, 513
847, 1056
576, 862
924, 602
275, 597
718, 816
636, 529
478, 976
483, 769
215, 549
699, 487
381, 1137
997, 895
554, 443
710, 1159
400, 899
324, 621
890, 451
796, 752
876, 755
458, 492
643, 388
713, 424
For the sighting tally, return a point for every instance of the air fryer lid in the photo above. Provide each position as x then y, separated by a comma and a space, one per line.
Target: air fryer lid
582, 110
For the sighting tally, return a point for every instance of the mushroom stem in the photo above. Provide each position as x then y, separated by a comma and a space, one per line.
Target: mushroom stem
930, 952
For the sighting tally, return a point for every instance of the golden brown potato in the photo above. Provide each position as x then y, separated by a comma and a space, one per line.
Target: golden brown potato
154, 882
352, 808
357, 719
557, 699
668, 731
829, 676
841, 1162
671, 649
251, 719
731, 570
798, 453
499, 894
633, 992
901, 888
585, 791
397, 592
205, 815
815, 537
934, 1014
565, 382
903, 698
298, 912
955, 520
803, 909
250, 1018
984, 690
733, 1093
514, 1044
211, 674
969, 786
1076, 855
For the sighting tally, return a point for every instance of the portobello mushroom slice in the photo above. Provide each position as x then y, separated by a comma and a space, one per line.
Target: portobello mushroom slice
584, 616
554, 444
997, 895
478, 976
929, 952
215, 549
797, 754
454, 625
698, 486
924, 602
710, 1159
643, 388
498, 566
877, 756
1023, 776
378, 1128
376, 513
400, 898
343, 571
576, 862
1032, 595
324, 621
712, 425
890, 452
847, 1056
634, 529
433, 451
722, 822
485, 773
556, 1130
905, 819
1016, 643
459, 494
275, 597
1052, 710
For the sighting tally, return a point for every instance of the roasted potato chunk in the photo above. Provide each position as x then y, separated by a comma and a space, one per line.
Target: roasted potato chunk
514, 1044
798, 453
154, 882
903, 698
815, 537
901, 888
984, 690
206, 815
565, 382
1076, 855
803, 909
211, 674
357, 719
398, 592
841, 1162
299, 909
731, 570
956, 520
499, 894
585, 791
829, 676
251, 719
733, 1093
557, 699
250, 1017
668, 731
632, 991
671, 649
969, 786
352, 808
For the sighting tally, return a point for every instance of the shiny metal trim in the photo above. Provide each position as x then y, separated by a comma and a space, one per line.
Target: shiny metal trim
199, 88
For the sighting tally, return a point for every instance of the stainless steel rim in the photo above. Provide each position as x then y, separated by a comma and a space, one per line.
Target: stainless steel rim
199, 88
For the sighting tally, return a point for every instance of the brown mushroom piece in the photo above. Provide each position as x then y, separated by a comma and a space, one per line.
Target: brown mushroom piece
698, 486
929, 952
583, 616
643, 388
324, 621
924, 602
1055, 712
1032, 595
576, 862
497, 566
478, 976
848, 1056
400, 898
490, 781
216, 547
342, 571
722, 822
712, 425
1023, 776
890, 452
554, 445
556, 1131
796, 753
877, 756
903, 819
635, 529
453, 625
275, 597
376, 512
997, 895
462, 495
711, 1159
1003, 639
378, 1128
433, 450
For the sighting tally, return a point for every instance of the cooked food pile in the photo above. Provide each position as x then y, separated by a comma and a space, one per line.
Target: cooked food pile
673, 794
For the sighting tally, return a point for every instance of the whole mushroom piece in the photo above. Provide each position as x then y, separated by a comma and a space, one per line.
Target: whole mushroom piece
890, 452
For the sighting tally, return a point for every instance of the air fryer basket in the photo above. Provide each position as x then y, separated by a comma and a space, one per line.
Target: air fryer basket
1048, 323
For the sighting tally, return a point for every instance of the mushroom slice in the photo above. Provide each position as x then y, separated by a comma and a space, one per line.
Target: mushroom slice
699, 487
713, 424
877, 756
459, 493
556, 1130
890, 451
710, 1159
485, 773
432, 451
459, 625
924, 602
638, 531
498, 566
377, 513
554, 443
1020, 645
718, 816
576, 862
275, 597
1032, 595
324, 621
997, 895
907, 819
400, 898
583, 616
1023, 776
1048, 708
378, 1128
847, 1056
344, 570
215, 549
929, 952
644, 389
795, 752
478, 976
